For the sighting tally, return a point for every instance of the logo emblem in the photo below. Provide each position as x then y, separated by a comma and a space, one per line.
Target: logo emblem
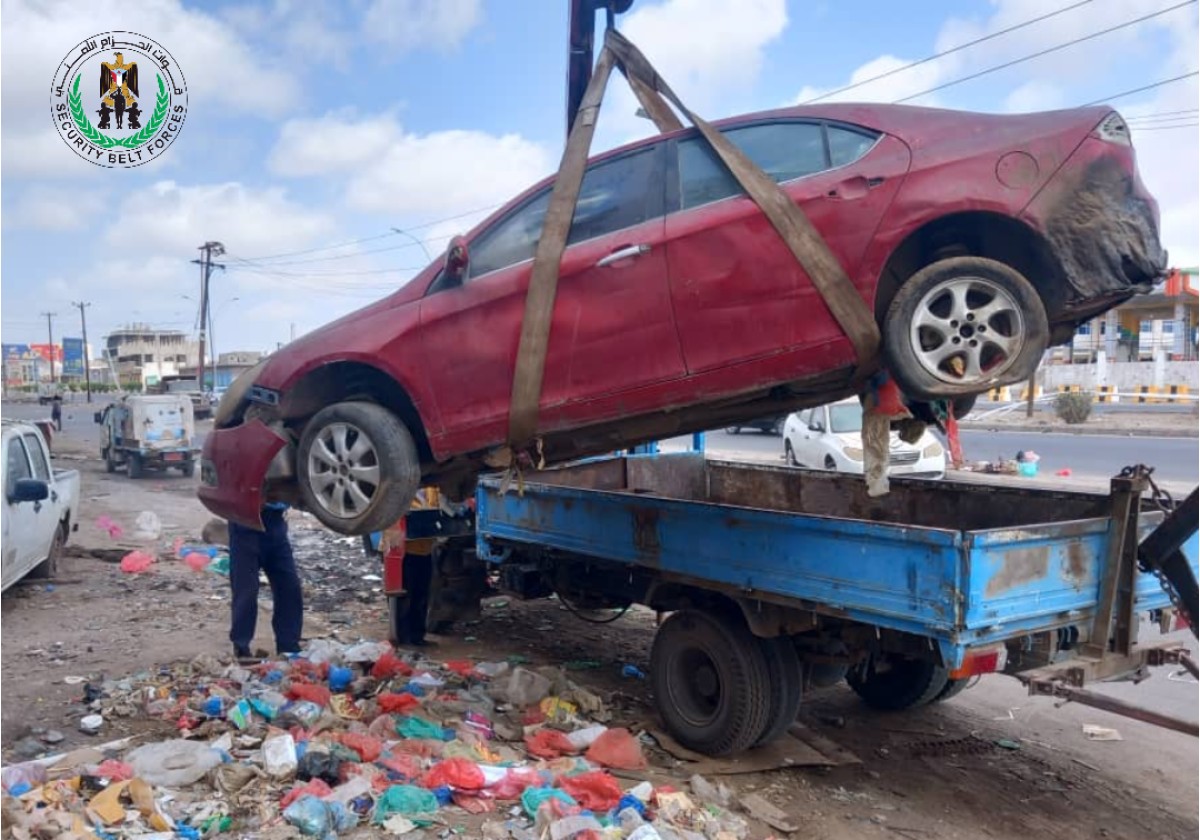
135, 112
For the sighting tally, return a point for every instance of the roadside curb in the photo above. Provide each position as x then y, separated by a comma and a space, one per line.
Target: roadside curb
1141, 431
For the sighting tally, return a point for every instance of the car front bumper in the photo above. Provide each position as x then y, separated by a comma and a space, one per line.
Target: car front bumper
234, 468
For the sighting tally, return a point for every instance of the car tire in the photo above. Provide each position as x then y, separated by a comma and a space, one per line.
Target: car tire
136, 467
789, 454
964, 405
710, 680
977, 311
830, 464
368, 438
906, 684
48, 568
110, 464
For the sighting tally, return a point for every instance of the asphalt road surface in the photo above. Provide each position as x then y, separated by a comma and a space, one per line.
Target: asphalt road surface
1086, 456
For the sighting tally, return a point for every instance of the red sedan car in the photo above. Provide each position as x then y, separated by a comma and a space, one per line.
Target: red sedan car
980, 240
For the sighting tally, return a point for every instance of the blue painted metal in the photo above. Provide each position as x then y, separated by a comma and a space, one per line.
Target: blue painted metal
960, 588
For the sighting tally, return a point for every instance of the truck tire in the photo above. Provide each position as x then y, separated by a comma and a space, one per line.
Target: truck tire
901, 684
136, 467
978, 311
48, 568
110, 463
786, 677
188, 468
358, 467
953, 689
710, 682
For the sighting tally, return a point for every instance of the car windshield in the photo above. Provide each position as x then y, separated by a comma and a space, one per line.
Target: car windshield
845, 418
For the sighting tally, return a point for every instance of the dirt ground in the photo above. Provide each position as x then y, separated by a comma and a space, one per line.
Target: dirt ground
938, 772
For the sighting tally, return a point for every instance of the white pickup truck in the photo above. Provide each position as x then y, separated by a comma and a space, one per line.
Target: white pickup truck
41, 504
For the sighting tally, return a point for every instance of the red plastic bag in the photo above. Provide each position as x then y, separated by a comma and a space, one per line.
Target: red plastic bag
515, 782
473, 804
461, 667
136, 562
196, 561
368, 748
397, 703
549, 743
389, 665
458, 773
318, 694
113, 770
315, 787
596, 791
402, 767
617, 748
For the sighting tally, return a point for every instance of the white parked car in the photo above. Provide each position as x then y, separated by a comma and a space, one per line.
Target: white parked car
40, 504
829, 437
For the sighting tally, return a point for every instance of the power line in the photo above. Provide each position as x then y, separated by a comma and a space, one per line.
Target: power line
1167, 127
1158, 114
945, 53
1132, 91
1046, 51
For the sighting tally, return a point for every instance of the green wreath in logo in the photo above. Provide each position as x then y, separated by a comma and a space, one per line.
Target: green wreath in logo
94, 135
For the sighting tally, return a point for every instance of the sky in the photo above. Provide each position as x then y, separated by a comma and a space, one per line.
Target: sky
315, 124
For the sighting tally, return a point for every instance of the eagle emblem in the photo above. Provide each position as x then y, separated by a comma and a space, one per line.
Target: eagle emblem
119, 92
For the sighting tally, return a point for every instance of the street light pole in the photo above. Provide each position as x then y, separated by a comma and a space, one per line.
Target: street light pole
209, 249
50, 329
87, 362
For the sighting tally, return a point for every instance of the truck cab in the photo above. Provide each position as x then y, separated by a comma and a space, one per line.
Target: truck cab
143, 432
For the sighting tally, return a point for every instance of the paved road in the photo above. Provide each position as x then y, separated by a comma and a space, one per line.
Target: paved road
1087, 456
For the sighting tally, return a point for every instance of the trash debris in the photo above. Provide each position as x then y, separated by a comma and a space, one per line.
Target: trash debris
90, 724
136, 562
633, 671
176, 763
147, 526
1101, 733
763, 811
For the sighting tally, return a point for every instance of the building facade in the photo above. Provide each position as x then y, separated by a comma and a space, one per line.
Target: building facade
140, 355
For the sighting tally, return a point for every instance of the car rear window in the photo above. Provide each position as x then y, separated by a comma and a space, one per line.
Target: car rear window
848, 145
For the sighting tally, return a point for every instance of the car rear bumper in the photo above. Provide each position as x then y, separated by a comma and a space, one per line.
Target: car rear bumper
1101, 222
234, 467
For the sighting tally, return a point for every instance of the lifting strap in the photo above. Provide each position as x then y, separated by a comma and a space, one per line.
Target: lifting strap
852, 313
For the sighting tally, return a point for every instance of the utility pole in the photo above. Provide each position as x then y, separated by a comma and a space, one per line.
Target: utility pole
209, 250
87, 362
49, 316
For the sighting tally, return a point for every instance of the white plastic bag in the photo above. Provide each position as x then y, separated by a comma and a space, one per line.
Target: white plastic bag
173, 764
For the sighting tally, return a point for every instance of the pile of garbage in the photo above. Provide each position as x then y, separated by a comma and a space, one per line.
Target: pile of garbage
343, 738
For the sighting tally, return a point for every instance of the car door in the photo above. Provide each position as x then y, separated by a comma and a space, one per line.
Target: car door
739, 293
810, 454
22, 537
613, 327
39, 460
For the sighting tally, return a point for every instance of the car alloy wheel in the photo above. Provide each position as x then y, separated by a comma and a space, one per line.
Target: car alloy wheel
967, 329
343, 470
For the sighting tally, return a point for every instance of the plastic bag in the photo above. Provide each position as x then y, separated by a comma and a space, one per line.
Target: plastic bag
596, 791
525, 687
323, 650
549, 743
457, 773
366, 652
147, 526
320, 819
461, 667
22, 778
415, 727
368, 748
534, 797
136, 562
114, 771
318, 694
581, 739
313, 787
515, 783
389, 665
279, 755
574, 826
317, 764
172, 764
617, 748
393, 703
491, 670
302, 712
340, 678
407, 801
402, 767
196, 561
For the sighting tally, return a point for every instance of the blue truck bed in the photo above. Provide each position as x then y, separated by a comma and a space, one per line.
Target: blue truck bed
965, 565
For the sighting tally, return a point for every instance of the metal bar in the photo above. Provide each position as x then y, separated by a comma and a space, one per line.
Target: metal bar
1125, 495
1119, 707
1161, 553
1190, 664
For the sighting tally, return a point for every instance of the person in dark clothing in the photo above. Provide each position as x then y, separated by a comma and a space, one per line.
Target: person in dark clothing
412, 608
271, 552
56, 412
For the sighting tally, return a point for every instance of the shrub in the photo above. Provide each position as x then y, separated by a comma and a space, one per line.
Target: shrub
1073, 408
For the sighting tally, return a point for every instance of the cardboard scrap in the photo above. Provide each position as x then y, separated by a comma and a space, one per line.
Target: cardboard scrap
760, 809
785, 751
106, 805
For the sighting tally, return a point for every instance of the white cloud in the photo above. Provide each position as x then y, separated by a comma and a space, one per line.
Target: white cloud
404, 25
311, 32
895, 86
53, 208
388, 170
1036, 95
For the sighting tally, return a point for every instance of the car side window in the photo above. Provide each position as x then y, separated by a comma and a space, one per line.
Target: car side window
614, 195
847, 145
784, 150
17, 465
41, 470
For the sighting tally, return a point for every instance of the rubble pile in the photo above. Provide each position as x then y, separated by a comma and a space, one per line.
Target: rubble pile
349, 739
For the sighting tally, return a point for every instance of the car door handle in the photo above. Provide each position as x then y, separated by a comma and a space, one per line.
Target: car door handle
626, 253
855, 187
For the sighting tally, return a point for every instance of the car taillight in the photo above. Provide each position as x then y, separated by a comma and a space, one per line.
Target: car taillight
1114, 130
984, 660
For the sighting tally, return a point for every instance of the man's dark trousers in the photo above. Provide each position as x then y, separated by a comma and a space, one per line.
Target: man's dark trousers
270, 551
414, 607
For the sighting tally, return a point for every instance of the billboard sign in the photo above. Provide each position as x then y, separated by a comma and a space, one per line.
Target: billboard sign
48, 351
18, 353
72, 354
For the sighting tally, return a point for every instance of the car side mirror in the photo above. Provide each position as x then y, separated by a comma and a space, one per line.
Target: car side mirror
816, 426
30, 490
457, 260
98, 417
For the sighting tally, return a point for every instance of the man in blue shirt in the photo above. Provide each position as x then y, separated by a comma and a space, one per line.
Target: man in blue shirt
270, 551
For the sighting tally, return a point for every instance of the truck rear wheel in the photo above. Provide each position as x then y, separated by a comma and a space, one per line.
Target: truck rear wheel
110, 463
136, 468
188, 468
48, 568
953, 689
895, 683
786, 677
710, 679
